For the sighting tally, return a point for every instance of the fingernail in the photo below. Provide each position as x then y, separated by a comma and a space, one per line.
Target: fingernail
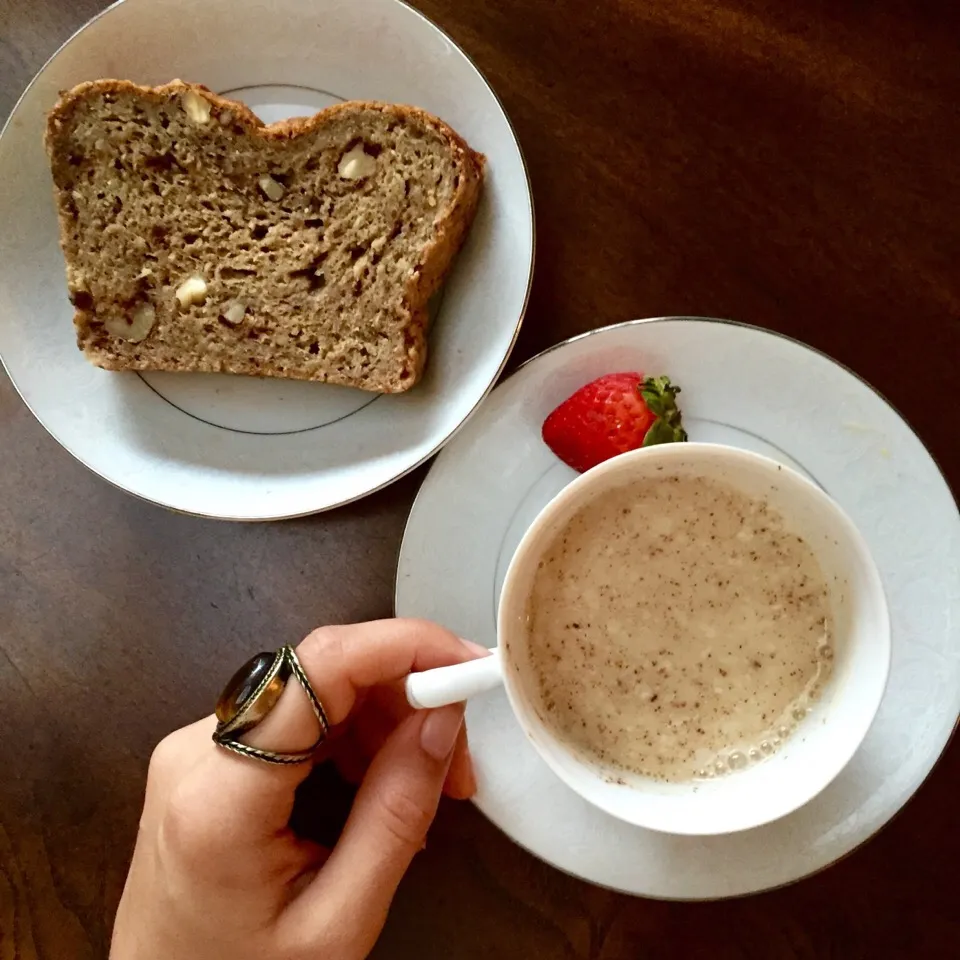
475, 648
439, 731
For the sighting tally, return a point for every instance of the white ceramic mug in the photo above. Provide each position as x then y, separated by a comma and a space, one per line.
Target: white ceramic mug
822, 744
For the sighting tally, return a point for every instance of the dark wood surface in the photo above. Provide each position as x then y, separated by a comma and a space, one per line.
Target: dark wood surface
794, 165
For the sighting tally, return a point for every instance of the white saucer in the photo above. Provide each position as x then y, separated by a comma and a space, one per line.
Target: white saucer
763, 392
240, 447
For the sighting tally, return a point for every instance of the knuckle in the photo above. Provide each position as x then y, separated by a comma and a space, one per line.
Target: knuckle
326, 642
165, 763
404, 816
163, 760
185, 831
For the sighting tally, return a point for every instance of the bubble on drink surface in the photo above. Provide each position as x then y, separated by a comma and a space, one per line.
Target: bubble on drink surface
766, 746
737, 760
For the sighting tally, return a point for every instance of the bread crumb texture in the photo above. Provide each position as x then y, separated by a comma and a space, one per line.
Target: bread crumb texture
198, 239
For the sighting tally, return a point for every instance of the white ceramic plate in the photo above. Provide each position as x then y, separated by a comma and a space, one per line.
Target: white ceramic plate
752, 389
238, 447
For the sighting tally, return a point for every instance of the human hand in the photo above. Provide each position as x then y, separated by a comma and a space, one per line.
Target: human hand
218, 873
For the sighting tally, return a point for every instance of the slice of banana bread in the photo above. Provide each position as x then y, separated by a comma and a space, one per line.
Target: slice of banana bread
196, 238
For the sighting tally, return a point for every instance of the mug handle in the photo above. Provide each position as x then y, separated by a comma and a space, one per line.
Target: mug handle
443, 685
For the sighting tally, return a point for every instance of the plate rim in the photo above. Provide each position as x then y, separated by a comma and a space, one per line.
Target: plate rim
954, 496
494, 381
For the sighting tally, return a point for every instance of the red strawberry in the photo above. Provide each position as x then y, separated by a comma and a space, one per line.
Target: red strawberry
611, 415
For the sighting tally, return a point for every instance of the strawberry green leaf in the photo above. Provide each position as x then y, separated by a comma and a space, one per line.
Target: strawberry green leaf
660, 396
660, 432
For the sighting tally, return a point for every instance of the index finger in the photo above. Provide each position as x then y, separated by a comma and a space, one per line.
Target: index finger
342, 660
339, 661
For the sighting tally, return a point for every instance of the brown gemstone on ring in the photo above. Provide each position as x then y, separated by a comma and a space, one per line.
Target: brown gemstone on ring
253, 691
243, 684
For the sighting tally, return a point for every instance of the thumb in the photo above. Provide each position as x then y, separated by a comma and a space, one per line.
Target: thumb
387, 826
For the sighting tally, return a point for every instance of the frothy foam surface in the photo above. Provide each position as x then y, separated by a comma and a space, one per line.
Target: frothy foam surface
677, 629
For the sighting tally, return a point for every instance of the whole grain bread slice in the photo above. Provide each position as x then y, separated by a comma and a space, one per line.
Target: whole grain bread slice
197, 238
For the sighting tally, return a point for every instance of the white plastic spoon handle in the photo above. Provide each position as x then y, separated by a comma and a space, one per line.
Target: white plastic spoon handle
443, 685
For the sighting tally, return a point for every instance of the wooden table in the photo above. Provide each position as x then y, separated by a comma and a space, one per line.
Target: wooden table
794, 165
